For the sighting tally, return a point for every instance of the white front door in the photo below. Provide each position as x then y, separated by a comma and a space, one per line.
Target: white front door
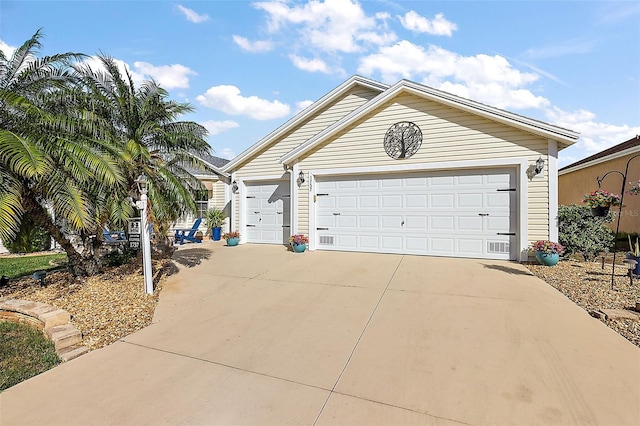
267, 212
462, 214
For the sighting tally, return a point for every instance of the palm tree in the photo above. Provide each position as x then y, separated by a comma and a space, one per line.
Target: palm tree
142, 127
47, 154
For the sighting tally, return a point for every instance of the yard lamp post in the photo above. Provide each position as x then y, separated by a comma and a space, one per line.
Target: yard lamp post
144, 235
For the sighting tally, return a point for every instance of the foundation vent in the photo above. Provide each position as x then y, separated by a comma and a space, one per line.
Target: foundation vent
326, 240
498, 247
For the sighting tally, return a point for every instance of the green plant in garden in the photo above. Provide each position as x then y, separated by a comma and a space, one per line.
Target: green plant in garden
634, 249
24, 352
580, 232
214, 218
30, 238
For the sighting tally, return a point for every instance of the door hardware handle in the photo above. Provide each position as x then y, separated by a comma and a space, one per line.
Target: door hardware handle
336, 214
483, 214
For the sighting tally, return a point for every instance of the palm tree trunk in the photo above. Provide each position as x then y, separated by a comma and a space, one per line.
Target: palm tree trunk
79, 265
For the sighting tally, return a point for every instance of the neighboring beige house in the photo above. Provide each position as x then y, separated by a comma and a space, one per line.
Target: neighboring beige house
581, 177
401, 169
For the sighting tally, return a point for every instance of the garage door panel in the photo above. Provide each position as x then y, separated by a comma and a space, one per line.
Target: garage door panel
471, 180
369, 222
470, 246
392, 222
417, 244
442, 181
416, 201
391, 243
442, 245
369, 201
470, 200
442, 201
442, 223
347, 221
391, 202
347, 202
470, 223
416, 223
437, 213
498, 199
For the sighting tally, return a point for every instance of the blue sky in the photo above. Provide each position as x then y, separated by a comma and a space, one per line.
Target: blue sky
247, 67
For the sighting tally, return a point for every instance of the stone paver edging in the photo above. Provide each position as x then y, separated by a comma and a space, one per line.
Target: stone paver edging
54, 322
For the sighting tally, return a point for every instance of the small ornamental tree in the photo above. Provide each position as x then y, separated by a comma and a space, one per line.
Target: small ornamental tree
580, 232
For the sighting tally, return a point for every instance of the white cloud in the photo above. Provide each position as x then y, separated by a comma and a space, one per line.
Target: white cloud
572, 47
301, 105
228, 99
311, 65
217, 127
168, 76
257, 46
484, 78
595, 136
96, 65
6, 49
331, 26
192, 15
419, 24
226, 152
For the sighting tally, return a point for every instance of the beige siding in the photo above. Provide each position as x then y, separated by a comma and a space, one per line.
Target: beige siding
449, 135
266, 162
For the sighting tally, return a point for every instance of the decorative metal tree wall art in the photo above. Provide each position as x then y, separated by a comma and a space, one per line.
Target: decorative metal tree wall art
402, 140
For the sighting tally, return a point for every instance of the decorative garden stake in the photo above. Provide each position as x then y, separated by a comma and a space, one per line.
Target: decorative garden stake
622, 191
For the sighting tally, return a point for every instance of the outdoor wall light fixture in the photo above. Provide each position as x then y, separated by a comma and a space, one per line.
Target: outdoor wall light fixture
539, 166
142, 184
301, 177
234, 186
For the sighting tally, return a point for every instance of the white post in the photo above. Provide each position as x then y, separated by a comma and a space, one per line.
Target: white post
145, 240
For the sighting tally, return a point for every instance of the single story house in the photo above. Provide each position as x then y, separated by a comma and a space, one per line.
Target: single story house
581, 178
214, 195
400, 168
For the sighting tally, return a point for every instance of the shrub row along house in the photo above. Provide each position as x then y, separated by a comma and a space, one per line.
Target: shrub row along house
398, 169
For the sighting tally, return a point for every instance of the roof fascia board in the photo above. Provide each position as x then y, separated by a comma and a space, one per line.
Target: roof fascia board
327, 99
613, 156
564, 136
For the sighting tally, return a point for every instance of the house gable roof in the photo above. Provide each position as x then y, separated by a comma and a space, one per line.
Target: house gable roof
299, 118
564, 136
608, 154
213, 162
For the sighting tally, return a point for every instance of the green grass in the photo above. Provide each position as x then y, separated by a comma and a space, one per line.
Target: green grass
15, 267
24, 352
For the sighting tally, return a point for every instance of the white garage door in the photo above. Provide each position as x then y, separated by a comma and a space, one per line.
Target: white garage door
466, 214
267, 212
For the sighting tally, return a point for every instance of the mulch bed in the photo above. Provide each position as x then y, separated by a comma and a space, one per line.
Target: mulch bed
104, 308
589, 286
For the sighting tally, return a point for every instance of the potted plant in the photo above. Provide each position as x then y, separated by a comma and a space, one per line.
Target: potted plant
233, 238
600, 201
634, 253
299, 242
547, 252
215, 219
635, 188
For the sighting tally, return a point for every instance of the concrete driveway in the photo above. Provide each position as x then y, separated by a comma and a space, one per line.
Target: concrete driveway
258, 335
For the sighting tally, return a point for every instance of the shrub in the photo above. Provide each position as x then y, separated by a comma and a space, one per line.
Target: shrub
580, 232
29, 239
